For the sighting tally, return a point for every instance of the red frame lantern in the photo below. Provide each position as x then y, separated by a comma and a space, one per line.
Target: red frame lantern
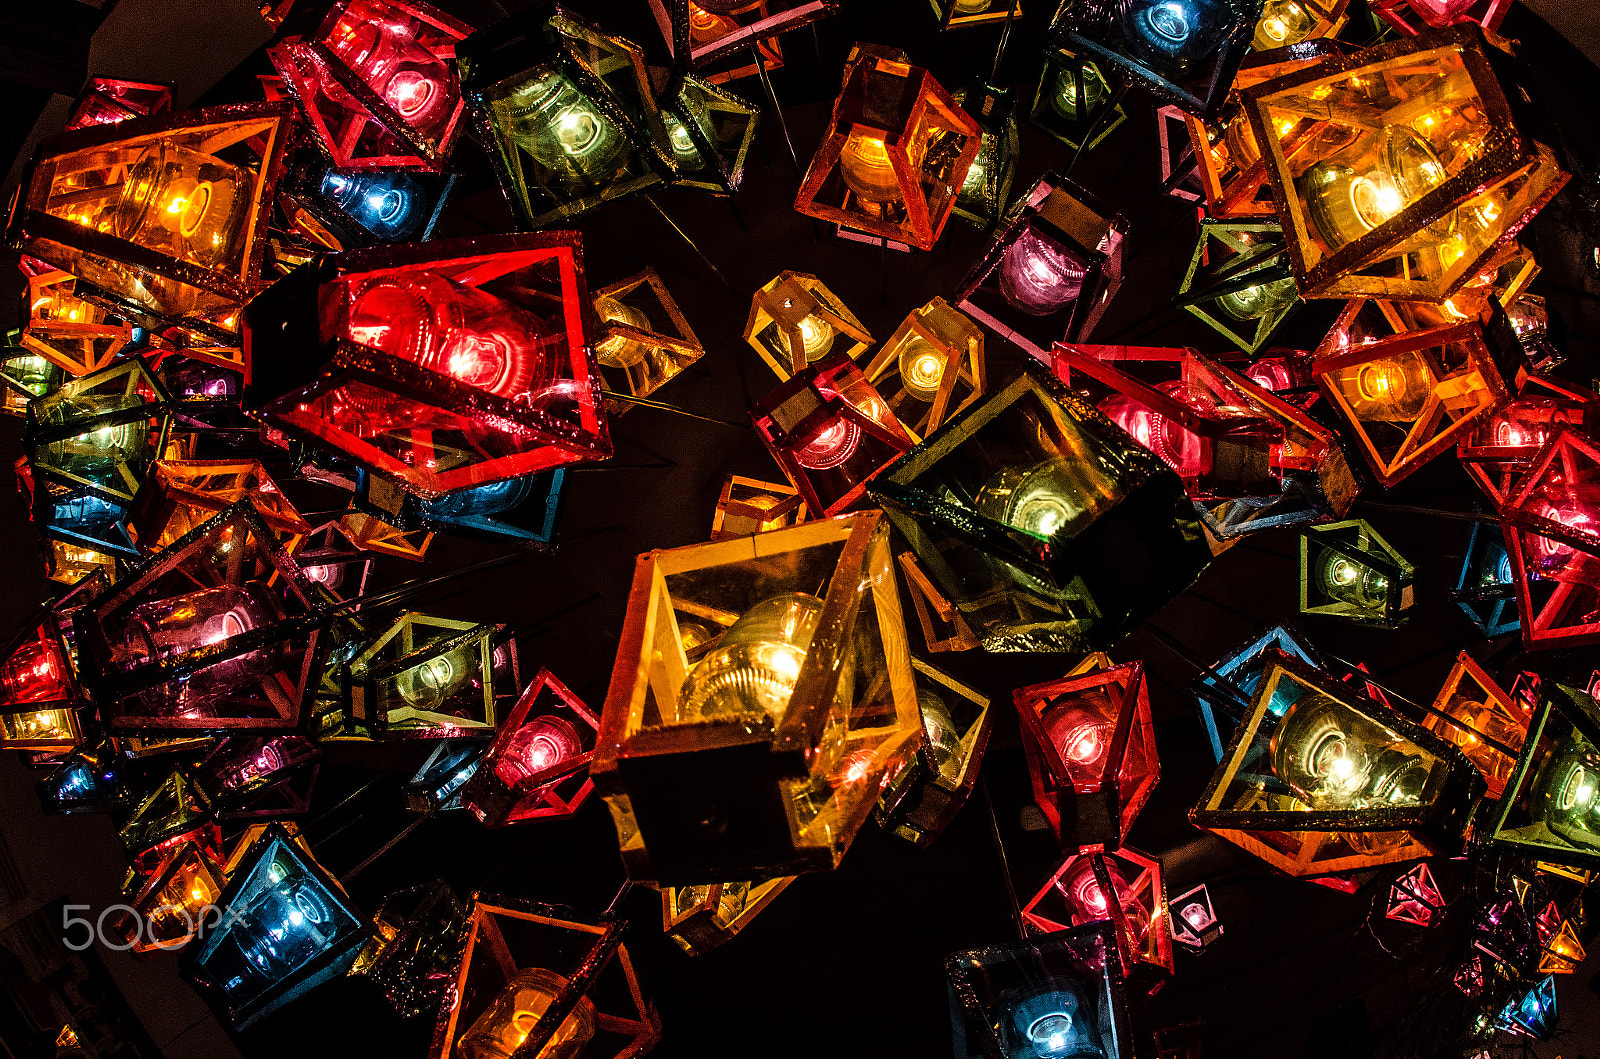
538, 765
1076, 894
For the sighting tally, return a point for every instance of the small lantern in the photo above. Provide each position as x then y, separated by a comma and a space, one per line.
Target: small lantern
412, 958
810, 678
526, 509
1533, 1014
943, 627
705, 917
1348, 571
173, 814
537, 766
897, 151
701, 36
1072, 533
959, 14
39, 694
424, 678
332, 564
1487, 724
830, 432
436, 787
645, 340
1091, 753
1336, 783
286, 927
920, 800
1558, 499
1414, 897
795, 320
566, 112
1074, 100
369, 533
377, 84
931, 367
1186, 52
101, 431
1051, 996
161, 214
1486, 588
1414, 197
1124, 887
1560, 951
1558, 588
26, 375
80, 515
1225, 691
532, 980
709, 132
1288, 22
259, 777
337, 209
1050, 272
1193, 919
1550, 809
1239, 282
748, 505
438, 365
177, 900
78, 336
106, 101
220, 632
88, 780
1412, 17
985, 194
178, 496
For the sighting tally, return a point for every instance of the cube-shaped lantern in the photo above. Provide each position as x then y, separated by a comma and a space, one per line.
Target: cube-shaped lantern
1050, 272
337, 209
1124, 887
1186, 52
334, 565
176, 812
1348, 571
537, 767
178, 496
764, 757
1414, 897
78, 336
526, 509
88, 780
1336, 783
1411, 199
436, 787
177, 900
704, 35
106, 101
100, 431
1041, 522
796, 320
367, 532
644, 341
259, 777
1239, 281
377, 83
1472, 712
412, 958
702, 918
424, 678
1054, 995
1193, 919
1533, 1014
1550, 809
1558, 499
1285, 23
39, 694
163, 215
1091, 753
287, 926
930, 368
897, 151
748, 505
921, 799
566, 113
831, 432
1412, 17
1486, 588
1075, 102
1557, 586
985, 194
25, 375
533, 980
437, 365
1226, 690
709, 133
220, 632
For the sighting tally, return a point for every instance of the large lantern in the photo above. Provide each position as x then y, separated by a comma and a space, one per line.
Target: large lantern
702, 918
1239, 283
1411, 199
1550, 809
1225, 691
179, 495
985, 194
796, 320
921, 799
1348, 571
424, 678
1041, 522
1335, 782
537, 766
377, 83
1124, 887
931, 367
897, 152
766, 755
644, 340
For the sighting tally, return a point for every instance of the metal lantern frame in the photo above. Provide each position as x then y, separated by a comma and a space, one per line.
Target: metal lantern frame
963, 374
78, 336
999, 147
1088, 125
1358, 543
1229, 258
778, 312
1567, 721
553, 791
919, 801
669, 344
1051, 910
1482, 592
413, 648
1224, 691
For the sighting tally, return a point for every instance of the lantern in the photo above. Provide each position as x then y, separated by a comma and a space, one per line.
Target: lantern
79, 515
1336, 783
1288, 22
537, 766
1048, 997
525, 509
436, 787
766, 755
566, 112
795, 320
376, 83
1050, 272
830, 432
931, 367
749, 505
943, 627
1193, 919
178, 496
424, 678
88, 780
337, 209
1557, 586
1560, 951
1533, 1014
106, 101
1414, 897
1550, 809
1186, 52
1225, 690
25, 375
219, 632
897, 151
175, 901
1041, 522
532, 980
959, 14
1124, 887
706, 36
1412, 17
1239, 283
644, 341
709, 133
100, 431
259, 777
411, 960
1486, 588
1442, 169
369, 533
1075, 102
1473, 713
920, 800
161, 215
39, 695
78, 336
438, 365
705, 917
985, 194
173, 814
333, 564
287, 926
1558, 499
1348, 571
205, 397
1091, 753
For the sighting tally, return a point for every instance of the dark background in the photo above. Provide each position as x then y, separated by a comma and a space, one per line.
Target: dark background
847, 963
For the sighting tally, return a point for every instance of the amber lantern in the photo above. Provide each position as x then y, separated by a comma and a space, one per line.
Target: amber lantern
958, 14
180, 495
1239, 282
705, 917
39, 694
1472, 712
424, 678
644, 340
765, 756
985, 194
931, 367
943, 627
1412, 17
533, 981
897, 151
1091, 753
1075, 102
749, 505
1124, 887
831, 432
1336, 782
537, 766
173, 814
1285, 23
1348, 571
77, 336
921, 799
161, 216
368, 532
1413, 198
1550, 809
727, 39
796, 320
175, 901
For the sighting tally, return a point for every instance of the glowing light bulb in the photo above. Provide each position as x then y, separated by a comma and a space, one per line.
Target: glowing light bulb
1565, 793
1039, 276
1394, 389
1480, 721
1283, 22
1075, 97
1352, 582
1396, 171
1254, 302
503, 1027
921, 369
427, 685
1045, 1022
816, 337
1040, 499
971, 7
831, 446
865, 167
538, 745
577, 146
1332, 757
620, 351
752, 672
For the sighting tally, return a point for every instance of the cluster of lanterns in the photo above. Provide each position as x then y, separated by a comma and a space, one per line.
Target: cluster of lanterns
262, 274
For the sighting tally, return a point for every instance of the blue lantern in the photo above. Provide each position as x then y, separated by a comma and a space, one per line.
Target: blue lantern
77, 514
86, 781
1487, 588
1533, 1014
381, 206
1225, 691
524, 509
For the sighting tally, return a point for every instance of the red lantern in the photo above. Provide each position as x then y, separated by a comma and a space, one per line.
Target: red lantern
538, 764
1414, 897
1413, 16
106, 101
39, 696
1124, 887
